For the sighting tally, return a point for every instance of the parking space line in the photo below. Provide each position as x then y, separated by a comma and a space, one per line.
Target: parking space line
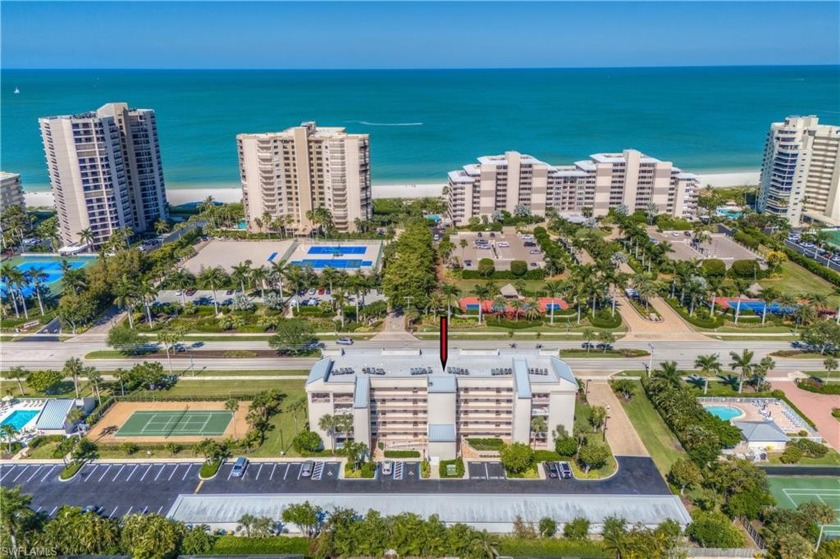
90, 473
300, 471
39, 510
46, 475
35, 473
231, 473
188, 471
160, 472
132, 472
119, 472
52, 512
104, 473
173, 472
272, 472
146, 472
160, 509
259, 472
486, 471
129, 511
287, 471
21, 472
113, 512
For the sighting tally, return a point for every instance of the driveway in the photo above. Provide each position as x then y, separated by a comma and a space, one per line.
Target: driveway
621, 435
818, 409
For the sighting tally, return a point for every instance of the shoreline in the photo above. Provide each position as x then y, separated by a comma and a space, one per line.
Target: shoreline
232, 193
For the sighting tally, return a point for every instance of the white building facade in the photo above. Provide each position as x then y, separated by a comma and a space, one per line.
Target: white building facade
800, 174
105, 170
287, 174
607, 180
11, 191
402, 399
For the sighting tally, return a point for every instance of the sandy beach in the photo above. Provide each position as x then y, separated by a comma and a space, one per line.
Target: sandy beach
179, 196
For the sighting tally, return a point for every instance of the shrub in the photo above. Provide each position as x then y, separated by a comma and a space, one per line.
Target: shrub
791, 455
714, 267
547, 527
813, 385
713, 529
518, 268
402, 454
517, 457
425, 469
130, 447
577, 529
209, 469
811, 449
835, 412
70, 470
486, 444
486, 267
746, 239
45, 439
566, 446
307, 441
604, 319
459, 468
745, 269
237, 545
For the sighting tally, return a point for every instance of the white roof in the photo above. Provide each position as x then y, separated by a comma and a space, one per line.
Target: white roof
761, 431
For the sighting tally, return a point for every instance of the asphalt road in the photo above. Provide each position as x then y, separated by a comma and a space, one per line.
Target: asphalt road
53, 354
128, 488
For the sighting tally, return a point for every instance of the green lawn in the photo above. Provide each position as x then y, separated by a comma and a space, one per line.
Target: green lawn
260, 373
223, 388
830, 459
796, 280
663, 446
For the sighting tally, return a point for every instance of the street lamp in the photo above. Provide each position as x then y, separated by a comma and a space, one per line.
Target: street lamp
650, 363
606, 417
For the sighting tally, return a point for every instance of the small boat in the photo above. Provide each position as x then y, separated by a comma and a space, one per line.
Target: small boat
17, 91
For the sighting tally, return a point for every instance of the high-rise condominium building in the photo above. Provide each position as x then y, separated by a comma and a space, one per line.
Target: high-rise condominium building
604, 181
402, 399
105, 171
11, 191
286, 175
800, 176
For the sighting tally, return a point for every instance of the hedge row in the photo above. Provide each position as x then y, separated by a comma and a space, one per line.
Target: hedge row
513, 324
402, 454
747, 239
236, 545
817, 387
604, 319
808, 263
538, 274
486, 444
698, 321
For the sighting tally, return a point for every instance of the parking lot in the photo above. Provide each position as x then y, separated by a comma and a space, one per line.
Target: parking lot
153, 487
502, 248
719, 246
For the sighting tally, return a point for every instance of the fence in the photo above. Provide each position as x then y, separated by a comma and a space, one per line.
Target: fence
753, 533
718, 552
153, 397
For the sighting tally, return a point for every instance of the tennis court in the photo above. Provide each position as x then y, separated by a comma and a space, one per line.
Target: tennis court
184, 423
791, 492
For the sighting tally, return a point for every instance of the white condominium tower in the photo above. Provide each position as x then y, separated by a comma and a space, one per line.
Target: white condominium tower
11, 191
286, 175
800, 175
604, 181
105, 171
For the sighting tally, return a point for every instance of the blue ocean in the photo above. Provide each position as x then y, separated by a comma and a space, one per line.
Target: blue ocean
424, 123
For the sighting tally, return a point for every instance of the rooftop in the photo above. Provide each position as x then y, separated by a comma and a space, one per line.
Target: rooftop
538, 366
761, 431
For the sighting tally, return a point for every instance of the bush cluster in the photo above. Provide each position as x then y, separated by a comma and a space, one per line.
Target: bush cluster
813, 385
402, 454
537, 274
459, 467
486, 444
604, 319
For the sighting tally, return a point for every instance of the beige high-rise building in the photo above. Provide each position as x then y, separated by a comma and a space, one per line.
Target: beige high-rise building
400, 398
800, 175
11, 191
606, 180
287, 174
105, 170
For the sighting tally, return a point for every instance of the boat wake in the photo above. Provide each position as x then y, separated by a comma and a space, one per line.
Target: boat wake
368, 123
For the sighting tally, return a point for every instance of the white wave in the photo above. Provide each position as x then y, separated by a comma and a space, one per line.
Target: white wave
367, 123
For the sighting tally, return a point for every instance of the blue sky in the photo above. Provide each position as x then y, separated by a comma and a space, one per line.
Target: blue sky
416, 35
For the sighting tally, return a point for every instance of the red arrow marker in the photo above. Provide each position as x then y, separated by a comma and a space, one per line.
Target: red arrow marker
444, 342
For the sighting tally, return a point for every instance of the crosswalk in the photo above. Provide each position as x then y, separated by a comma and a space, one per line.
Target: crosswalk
398, 470
318, 471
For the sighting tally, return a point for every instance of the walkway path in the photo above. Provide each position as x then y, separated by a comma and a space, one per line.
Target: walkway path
818, 409
621, 435
393, 330
672, 327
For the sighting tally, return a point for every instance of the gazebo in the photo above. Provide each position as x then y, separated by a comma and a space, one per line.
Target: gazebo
509, 292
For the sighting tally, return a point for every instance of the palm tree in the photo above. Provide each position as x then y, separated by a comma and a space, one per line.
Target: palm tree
328, 276
744, 363
94, 377
670, 372
708, 364
532, 310
276, 274
232, 405
8, 273
339, 299
482, 293
463, 244
539, 426
36, 275
8, 433
241, 272
161, 226
645, 287
15, 514
517, 305
260, 275
830, 364
74, 367
450, 291
182, 280
327, 423
212, 278
148, 293
86, 236
18, 373
500, 305
125, 297
169, 338
615, 537
552, 289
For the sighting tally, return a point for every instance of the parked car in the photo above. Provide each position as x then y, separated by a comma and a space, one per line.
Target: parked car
387, 467
529, 244
503, 245
321, 291
190, 292
306, 469
239, 467
311, 291
95, 509
467, 262
344, 341
552, 470
604, 346
229, 292
565, 470
534, 251
588, 345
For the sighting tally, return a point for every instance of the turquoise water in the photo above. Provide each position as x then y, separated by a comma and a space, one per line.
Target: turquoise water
731, 214
49, 266
726, 413
426, 123
19, 418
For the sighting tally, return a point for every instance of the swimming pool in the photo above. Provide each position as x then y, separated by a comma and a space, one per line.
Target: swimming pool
19, 418
729, 212
726, 413
49, 266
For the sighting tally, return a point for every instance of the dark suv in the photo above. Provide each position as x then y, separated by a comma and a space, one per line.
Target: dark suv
552, 470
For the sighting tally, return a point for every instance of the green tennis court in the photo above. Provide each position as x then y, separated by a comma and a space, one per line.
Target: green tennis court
791, 492
181, 423
833, 236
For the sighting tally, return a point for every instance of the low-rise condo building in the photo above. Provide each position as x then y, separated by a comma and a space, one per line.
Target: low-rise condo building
606, 180
287, 175
402, 399
800, 175
11, 191
105, 171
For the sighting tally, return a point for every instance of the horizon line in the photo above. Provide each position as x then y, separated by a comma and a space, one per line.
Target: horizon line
390, 69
